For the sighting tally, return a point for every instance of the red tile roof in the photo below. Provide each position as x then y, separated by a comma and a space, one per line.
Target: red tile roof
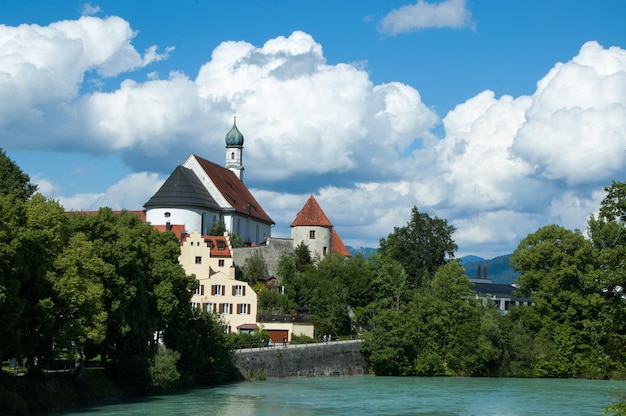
233, 190
219, 246
337, 245
177, 229
311, 214
217, 243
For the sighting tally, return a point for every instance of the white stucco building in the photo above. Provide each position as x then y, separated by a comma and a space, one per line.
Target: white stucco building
199, 193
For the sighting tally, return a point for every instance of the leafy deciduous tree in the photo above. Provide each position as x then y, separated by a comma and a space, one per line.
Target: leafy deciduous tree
421, 246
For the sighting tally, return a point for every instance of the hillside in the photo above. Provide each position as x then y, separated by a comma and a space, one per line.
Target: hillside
365, 251
498, 269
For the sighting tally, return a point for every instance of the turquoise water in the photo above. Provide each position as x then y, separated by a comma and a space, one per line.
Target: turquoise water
379, 396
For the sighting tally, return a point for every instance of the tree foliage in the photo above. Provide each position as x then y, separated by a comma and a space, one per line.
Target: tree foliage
110, 286
255, 269
13, 181
104, 285
421, 246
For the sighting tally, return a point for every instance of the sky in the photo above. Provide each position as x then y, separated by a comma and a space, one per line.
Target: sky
498, 116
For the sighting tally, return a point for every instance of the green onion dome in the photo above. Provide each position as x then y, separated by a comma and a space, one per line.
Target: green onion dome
234, 136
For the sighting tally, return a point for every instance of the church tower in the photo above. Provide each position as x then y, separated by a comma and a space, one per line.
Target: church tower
234, 150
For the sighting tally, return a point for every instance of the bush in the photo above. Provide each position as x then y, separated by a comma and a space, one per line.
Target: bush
162, 370
301, 339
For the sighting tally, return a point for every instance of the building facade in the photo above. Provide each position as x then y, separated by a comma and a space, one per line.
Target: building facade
209, 258
200, 193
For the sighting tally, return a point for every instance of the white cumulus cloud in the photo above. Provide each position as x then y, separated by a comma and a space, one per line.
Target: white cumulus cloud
42, 67
423, 15
129, 193
503, 167
575, 129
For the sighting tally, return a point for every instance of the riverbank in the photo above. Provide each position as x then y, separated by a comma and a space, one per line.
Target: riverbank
23, 395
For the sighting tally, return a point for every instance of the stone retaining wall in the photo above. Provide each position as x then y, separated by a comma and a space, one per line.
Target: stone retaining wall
335, 359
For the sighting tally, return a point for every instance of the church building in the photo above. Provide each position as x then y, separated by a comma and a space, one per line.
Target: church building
200, 193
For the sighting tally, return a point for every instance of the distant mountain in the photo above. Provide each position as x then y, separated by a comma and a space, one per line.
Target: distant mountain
498, 269
471, 259
366, 251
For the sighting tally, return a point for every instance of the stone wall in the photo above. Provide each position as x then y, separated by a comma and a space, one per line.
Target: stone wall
335, 359
271, 252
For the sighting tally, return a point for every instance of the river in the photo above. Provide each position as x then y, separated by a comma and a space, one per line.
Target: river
369, 395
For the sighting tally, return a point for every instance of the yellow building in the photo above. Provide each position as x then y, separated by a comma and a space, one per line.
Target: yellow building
209, 258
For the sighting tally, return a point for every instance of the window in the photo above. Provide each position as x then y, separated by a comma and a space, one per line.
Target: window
218, 290
210, 307
312, 234
239, 290
324, 251
199, 290
226, 308
194, 306
221, 244
232, 155
243, 308
198, 259
220, 262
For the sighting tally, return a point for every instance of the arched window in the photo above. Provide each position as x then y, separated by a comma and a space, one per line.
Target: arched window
232, 155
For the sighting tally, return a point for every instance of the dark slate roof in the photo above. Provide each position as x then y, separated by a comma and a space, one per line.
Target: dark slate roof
233, 190
182, 189
488, 288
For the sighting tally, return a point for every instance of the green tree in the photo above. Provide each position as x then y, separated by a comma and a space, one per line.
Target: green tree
357, 277
255, 269
43, 237
12, 220
13, 181
235, 240
205, 350
163, 371
145, 289
390, 284
79, 309
219, 228
608, 235
558, 270
25, 296
291, 278
302, 257
421, 246
518, 337
329, 295
441, 331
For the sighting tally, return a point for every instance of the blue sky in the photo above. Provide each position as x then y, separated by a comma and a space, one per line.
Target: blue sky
500, 117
